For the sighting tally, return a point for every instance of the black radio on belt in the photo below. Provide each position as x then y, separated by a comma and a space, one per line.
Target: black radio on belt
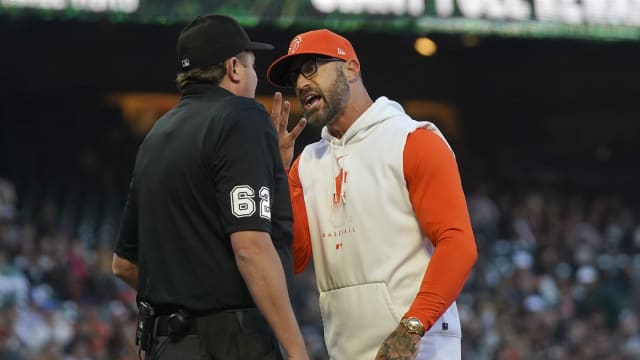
178, 324
144, 329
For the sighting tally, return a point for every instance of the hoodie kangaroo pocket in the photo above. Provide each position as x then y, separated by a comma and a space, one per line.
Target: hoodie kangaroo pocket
357, 319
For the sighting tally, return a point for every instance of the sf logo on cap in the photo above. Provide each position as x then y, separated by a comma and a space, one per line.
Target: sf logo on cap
295, 44
186, 63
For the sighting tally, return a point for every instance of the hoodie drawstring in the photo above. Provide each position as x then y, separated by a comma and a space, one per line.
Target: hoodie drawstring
343, 173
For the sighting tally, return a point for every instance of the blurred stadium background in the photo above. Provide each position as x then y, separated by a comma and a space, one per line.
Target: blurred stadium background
538, 98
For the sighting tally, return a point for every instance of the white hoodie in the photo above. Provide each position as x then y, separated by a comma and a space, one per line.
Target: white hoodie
369, 253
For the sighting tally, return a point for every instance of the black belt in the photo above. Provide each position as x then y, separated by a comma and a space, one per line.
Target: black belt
162, 323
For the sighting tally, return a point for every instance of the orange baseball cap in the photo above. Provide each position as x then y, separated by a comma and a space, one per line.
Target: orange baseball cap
317, 42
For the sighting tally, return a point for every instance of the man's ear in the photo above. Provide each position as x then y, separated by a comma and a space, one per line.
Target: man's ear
352, 70
232, 69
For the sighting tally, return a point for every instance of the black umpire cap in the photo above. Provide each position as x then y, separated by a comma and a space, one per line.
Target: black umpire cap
211, 39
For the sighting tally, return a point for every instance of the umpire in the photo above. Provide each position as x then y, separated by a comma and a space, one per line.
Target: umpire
206, 228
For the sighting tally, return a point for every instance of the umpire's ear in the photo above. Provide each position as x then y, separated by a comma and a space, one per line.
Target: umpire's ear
232, 69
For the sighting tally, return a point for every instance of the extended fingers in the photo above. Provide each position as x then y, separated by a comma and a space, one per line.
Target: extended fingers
276, 109
298, 129
284, 114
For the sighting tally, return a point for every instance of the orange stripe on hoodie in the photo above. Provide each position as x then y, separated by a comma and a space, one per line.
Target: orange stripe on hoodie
301, 237
436, 194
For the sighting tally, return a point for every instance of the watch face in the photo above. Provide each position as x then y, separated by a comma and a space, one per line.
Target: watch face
413, 326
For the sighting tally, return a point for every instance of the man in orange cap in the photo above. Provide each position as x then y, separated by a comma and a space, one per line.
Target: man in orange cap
378, 202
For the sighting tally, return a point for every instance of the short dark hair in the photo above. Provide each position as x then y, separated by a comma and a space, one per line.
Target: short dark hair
209, 75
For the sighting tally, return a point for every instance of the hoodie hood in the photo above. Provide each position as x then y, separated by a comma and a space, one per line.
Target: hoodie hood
381, 110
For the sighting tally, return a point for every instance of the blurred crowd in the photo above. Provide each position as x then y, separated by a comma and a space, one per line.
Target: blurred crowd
58, 299
558, 277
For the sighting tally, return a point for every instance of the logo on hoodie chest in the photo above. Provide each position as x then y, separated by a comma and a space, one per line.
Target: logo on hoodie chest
340, 220
337, 235
339, 195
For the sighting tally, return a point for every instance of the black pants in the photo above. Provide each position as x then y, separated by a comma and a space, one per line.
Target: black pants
228, 335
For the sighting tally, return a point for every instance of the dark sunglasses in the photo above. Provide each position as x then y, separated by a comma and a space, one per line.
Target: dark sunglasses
308, 69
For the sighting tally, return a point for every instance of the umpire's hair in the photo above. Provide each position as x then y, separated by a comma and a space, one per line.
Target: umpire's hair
210, 75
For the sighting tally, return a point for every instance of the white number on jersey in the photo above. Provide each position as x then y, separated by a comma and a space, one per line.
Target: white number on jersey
265, 207
243, 205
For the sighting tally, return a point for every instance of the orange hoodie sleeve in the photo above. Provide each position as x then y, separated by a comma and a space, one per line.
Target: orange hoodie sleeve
436, 194
301, 237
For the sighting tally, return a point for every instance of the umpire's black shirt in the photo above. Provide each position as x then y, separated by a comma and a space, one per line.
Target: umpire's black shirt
208, 168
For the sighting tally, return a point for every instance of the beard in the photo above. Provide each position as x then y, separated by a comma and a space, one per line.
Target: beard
334, 102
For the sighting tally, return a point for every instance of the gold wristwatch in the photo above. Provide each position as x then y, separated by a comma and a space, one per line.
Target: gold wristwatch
413, 325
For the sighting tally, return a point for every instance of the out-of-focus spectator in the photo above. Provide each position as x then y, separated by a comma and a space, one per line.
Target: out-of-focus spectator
8, 200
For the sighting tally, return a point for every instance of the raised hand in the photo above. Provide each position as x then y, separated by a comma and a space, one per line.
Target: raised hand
286, 139
400, 345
